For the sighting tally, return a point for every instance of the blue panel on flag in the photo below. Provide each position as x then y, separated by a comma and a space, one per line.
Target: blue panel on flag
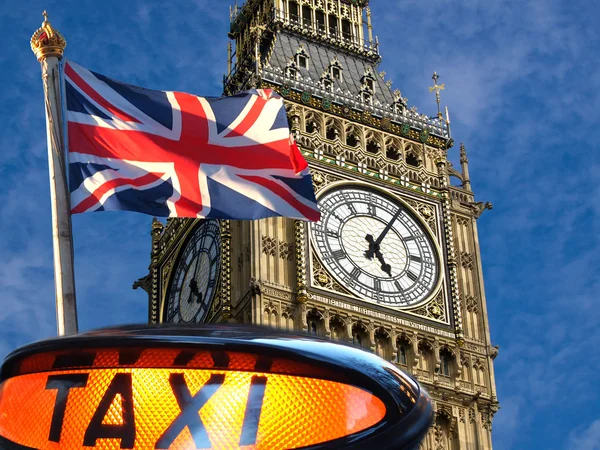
150, 201
78, 103
80, 171
281, 121
300, 186
154, 104
227, 109
229, 204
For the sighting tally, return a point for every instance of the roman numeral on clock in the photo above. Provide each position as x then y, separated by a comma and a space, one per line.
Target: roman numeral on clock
333, 234
416, 259
398, 286
412, 276
372, 208
339, 254
355, 273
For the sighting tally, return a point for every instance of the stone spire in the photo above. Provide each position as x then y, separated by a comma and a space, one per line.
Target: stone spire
464, 163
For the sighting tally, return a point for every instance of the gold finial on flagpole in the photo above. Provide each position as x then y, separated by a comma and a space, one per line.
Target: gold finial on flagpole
47, 41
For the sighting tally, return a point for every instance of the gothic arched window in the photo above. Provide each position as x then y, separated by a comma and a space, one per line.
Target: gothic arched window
331, 133
412, 160
346, 30
314, 321
311, 126
351, 140
337, 328
392, 153
445, 363
307, 16
402, 355
294, 11
360, 335
367, 97
320, 16
373, 147
382, 344
291, 72
333, 25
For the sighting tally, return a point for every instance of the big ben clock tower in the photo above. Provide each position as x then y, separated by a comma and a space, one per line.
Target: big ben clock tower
394, 264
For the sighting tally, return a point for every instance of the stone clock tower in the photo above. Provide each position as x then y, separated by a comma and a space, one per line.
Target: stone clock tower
394, 264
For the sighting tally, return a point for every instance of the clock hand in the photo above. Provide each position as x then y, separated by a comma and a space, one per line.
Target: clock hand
373, 247
384, 266
388, 227
195, 291
374, 244
192, 282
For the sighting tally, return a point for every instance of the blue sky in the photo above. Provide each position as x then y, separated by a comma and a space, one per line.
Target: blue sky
523, 88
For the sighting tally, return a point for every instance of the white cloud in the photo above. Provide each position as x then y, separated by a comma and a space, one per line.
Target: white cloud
585, 439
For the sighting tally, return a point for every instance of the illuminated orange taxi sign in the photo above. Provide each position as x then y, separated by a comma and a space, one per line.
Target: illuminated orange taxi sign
201, 392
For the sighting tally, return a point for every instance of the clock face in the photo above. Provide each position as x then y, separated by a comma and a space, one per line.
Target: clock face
375, 247
195, 279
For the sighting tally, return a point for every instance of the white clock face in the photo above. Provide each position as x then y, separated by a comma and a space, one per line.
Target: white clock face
194, 282
375, 247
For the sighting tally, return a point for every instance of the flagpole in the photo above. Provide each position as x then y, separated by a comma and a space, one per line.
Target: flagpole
48, 45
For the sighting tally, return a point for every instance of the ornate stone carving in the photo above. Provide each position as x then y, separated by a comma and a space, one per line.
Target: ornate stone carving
471, 415
462, 221
301, 260
466, 260
277, 293
269, 246
322, 278
225, 295
286, 251
493, 351
145, 283
322, 179
479, 207
426, 213
435, 309
166, 271
255, 286
472, 304
451, 255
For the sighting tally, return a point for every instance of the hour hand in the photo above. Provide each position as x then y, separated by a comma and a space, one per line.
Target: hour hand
373, 246
384, 266
195, 291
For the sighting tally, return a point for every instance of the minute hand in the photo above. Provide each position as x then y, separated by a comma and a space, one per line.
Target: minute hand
374, 245
388, 227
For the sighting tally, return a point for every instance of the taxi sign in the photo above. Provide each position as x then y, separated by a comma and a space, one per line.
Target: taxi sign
211, 387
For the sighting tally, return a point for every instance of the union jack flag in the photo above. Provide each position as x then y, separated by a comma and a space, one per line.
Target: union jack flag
172, 154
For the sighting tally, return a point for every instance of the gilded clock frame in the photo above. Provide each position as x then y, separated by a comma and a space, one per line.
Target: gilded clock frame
167, 272
441, 287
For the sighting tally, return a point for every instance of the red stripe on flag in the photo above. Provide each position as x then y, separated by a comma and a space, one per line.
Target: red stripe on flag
298, 161
306, 211
95, 196
250, 118
96, 97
